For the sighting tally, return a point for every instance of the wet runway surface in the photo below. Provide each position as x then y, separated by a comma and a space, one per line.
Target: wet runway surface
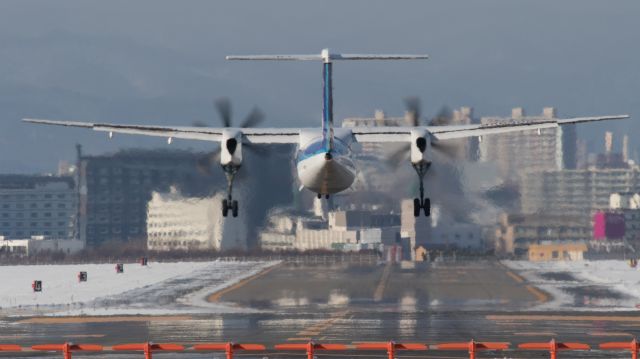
344, 303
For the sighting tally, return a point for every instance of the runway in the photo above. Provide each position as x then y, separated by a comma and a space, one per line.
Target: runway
347, 303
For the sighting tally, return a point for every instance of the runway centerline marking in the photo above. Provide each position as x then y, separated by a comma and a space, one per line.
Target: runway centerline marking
379, 293
215, 297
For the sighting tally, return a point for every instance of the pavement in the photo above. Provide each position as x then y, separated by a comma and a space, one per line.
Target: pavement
348, 303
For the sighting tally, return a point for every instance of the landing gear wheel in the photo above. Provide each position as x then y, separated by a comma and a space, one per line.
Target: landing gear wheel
326, 196
416, 207
225, 207
234, 208
426, 205
319, 196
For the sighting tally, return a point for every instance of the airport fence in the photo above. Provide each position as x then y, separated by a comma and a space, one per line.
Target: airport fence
311, 350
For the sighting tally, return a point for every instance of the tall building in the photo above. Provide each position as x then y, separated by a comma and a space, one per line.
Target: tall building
37, 206
178, 222
611, 159
575, 192
529, 151
515, 233
115, 190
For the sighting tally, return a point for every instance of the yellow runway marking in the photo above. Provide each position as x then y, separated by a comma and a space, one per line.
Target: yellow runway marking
379, 293
310, 334
515, 277
84, 336
318, 328
215, 297
535, 334
66, 320
540, 295
563, 318
298, 339
609, 334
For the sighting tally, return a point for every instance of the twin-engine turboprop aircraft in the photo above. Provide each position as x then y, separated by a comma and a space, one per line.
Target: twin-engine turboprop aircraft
324, 162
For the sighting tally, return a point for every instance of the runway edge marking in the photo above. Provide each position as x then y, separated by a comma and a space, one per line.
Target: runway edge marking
540, 295
215, 297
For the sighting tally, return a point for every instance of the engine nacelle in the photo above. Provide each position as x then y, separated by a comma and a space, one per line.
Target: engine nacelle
231, 148
420, 146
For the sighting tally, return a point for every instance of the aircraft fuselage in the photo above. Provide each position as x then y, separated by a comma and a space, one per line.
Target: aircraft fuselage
325, 172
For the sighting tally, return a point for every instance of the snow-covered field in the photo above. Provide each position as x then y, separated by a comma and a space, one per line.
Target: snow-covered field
584, 285
159, 288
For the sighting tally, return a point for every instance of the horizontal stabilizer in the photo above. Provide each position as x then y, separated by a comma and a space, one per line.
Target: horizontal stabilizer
327, 56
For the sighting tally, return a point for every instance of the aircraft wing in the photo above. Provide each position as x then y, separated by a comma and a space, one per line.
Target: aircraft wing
452, 132
254, 135
402, 134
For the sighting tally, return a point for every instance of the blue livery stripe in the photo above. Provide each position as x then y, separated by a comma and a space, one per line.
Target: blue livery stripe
327, 109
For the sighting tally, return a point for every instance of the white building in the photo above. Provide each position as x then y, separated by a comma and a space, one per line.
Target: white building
626, 200
436, 232
37, 244
37, 206
344, 230
177, 222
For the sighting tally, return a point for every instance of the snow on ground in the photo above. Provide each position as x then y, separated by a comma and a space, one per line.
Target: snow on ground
583, 285
159, 288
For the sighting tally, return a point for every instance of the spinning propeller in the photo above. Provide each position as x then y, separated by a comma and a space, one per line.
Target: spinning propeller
224, 109
443, 118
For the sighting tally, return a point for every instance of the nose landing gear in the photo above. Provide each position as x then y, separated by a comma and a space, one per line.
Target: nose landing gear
421, 203
229, 203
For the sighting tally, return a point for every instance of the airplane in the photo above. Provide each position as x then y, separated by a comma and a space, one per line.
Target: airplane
324, 160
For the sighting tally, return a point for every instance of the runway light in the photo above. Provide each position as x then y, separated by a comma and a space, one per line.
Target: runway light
67, 348
554, 347
310, 347
229, 348
472, 347
148, 348
632, 346
391, 347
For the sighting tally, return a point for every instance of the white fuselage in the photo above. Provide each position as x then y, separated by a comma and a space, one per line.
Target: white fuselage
323, 173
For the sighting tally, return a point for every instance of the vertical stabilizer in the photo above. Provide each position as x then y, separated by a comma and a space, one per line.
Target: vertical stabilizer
327, 59
327, 102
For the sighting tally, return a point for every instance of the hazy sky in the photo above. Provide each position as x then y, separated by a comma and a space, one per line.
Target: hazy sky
162, 62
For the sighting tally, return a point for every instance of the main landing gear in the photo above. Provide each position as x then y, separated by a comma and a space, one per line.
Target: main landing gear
421, 203
229, 203
325, 196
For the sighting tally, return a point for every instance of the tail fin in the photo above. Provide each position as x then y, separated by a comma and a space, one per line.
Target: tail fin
327, 94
